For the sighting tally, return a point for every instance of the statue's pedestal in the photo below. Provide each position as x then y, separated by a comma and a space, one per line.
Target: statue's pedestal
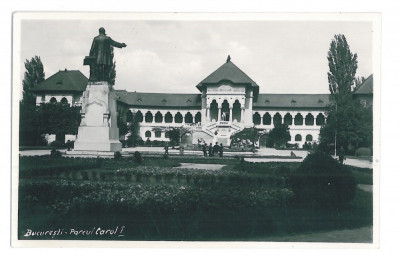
98, 131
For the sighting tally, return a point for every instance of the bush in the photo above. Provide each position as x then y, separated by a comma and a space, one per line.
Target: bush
322, 181
363, 152
137, 157
56, 144
117, 155
55, 154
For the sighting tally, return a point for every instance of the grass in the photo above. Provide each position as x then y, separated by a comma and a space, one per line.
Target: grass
208, 211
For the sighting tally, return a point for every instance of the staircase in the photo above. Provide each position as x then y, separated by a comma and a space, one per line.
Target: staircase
217, 132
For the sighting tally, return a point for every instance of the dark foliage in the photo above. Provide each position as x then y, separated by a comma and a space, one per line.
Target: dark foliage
56, 144
49, 118
55, 154
117, 155
321, 181
33, 75
279, 135
137, 157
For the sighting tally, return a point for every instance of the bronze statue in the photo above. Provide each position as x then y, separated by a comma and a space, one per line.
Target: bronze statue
101, 56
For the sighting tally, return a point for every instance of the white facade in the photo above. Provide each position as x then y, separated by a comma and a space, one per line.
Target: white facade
71, 99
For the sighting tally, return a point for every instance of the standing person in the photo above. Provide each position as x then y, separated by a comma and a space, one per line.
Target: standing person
205, 149
216, 148
166, 150
221, 150
210, 150
341, 155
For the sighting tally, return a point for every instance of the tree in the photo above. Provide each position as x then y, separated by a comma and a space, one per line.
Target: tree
49, 118
352, 124
342, 68
348, 123
279, 135
176, 134
33, 75
59, 119
113, 75
134, 131
250, 135
30, 128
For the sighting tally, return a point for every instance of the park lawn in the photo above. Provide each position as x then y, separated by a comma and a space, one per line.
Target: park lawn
244, 200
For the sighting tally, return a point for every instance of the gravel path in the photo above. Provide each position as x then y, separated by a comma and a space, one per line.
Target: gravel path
201, 166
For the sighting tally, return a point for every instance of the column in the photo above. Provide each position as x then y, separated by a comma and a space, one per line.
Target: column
230, 114
219, 114
241, 114
207, 114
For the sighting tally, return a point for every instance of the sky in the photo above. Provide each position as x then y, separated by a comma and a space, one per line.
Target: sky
173, 56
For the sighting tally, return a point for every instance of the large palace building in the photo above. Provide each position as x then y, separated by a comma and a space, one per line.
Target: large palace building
228, 101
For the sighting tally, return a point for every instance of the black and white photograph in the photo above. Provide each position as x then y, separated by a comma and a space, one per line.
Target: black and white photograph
178, 127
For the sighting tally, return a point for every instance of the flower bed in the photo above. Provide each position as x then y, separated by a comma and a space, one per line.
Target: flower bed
34, 166
152, 211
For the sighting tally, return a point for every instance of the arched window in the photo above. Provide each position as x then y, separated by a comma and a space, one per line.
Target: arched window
256, 118
297, 138
309, 119
277, 119
53, 100
64, 101
139, 116
309, 138
188, 118
178, 118
168, 117
288, 119
298, 119
267, 119
148, 117
197, 117
158, 117
157, 133
147, 134
320, 119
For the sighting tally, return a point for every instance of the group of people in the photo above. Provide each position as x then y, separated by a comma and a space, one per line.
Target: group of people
213, 150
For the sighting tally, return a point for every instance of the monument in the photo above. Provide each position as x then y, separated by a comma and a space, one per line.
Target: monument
98, 131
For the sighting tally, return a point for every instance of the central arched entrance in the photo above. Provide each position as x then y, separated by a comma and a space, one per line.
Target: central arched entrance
213, 111
225, 111
236, 111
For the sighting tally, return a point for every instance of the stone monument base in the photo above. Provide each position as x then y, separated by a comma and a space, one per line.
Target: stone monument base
97, 139
98, 131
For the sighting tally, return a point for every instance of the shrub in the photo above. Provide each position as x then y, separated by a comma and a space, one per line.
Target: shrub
322, 181
117, 155
56, 144
55, 154
137, 157
363, 152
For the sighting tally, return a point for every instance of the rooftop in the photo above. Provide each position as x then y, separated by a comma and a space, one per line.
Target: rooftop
230, 72
64, 80
138, 99
291, 101
367, 87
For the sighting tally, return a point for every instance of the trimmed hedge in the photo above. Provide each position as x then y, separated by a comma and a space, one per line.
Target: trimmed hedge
363, 152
